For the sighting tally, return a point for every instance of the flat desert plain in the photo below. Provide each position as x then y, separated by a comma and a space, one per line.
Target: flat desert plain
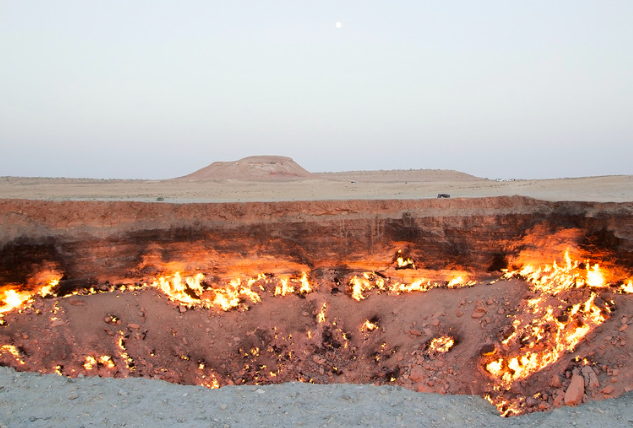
414, 184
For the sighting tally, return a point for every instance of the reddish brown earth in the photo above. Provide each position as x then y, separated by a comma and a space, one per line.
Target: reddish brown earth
252, 168
103, 253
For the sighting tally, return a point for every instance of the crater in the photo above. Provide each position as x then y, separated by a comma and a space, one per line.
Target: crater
508, 298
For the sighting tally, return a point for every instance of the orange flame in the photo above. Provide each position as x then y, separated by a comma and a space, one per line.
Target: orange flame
321, 314
595, 278
90, 363
194, 292
284, 288
544, 336
305, 285
106, 360
369, 326
405, 263
47, 290
13, 299
441, 344
13, 351
555, 279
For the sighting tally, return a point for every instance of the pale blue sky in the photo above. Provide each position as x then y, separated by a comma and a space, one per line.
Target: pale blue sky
158, 89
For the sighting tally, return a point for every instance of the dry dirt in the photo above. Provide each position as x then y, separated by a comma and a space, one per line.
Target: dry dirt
320, 336
254, 180
256, 168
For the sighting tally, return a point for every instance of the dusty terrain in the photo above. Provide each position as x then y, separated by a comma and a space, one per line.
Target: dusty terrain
277, 178
430, 295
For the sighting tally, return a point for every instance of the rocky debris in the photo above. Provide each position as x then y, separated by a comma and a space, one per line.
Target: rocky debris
417, 374
479, 313
488, 349
57, 323
558, 398
575, 391
591, 379
318, 360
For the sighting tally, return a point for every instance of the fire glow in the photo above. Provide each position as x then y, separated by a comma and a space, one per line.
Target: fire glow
194, 291
441, 344
371, 281
564, 305
553, 323
13, 299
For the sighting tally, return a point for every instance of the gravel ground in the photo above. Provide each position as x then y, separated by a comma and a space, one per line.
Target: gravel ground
34, 400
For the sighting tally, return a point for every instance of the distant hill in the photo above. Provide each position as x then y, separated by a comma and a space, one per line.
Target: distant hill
251, 168
398, 175
282, 168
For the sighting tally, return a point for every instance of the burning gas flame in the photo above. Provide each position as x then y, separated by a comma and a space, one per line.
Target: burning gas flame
370, 282
359, 285
106, 361
47, 290
627, 288
554, 278
90, 363
458, 282
211, 383
403, 263
564, 336
595, 277
545, 331
129, 362
321, 314
284, 289
14, 299
305, 285
13, 351
441, 344
369, 326
195, 292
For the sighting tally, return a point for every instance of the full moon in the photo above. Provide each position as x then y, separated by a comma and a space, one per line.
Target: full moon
338, 25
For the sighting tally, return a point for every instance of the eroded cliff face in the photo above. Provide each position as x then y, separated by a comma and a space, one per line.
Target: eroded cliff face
501, 297
94, 242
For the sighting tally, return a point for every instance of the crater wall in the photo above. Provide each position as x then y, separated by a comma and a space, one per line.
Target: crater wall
108, 241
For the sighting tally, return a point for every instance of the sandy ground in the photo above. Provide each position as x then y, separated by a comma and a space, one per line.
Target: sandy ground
34, 400
350, 185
